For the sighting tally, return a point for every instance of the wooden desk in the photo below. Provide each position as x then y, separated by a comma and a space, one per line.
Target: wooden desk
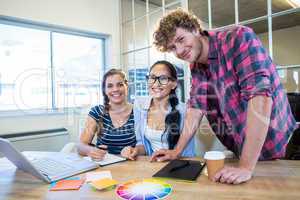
272, 180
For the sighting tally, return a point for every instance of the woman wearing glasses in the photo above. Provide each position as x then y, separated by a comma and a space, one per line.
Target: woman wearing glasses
159, 119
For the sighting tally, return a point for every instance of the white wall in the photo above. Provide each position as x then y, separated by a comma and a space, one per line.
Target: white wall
100, 16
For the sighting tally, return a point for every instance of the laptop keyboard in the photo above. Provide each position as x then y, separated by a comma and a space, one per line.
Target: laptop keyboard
51, 167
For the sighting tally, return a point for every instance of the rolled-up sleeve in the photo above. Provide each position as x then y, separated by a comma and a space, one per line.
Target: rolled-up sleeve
252, 65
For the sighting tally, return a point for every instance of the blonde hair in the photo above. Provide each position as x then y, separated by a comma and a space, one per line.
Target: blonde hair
167, 26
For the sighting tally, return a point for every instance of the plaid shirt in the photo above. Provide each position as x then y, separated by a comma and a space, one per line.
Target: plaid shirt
239, 69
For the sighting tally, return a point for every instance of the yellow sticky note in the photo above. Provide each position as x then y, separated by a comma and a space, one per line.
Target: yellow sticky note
103, 183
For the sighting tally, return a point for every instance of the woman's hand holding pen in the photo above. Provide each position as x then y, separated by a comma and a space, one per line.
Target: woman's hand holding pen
129, 152
98, 152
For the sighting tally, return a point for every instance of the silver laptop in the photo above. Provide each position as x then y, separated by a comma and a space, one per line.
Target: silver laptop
48, 166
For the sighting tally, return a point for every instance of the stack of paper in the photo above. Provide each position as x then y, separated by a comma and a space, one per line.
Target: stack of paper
93, 176
108, 159
103, 183
100, 180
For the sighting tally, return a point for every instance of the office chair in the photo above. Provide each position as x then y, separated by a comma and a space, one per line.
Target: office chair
293, 147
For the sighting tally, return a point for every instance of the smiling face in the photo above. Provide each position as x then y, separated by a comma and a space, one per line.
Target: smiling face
116, 89
189, 46
160, 90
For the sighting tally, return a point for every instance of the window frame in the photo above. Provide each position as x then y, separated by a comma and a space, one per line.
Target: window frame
17, 22
134, 21
269, 16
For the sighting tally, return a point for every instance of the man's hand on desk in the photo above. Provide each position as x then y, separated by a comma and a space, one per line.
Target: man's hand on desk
233, 175
164, 155
230, 175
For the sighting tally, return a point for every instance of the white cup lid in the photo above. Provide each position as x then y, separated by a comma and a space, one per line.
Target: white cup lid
214, 155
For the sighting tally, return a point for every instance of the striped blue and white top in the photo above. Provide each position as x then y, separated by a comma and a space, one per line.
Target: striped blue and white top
115, 138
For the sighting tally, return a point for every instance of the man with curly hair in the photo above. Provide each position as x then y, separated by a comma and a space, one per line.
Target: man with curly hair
235, 85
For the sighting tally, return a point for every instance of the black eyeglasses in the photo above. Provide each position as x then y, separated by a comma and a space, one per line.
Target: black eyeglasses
162, 80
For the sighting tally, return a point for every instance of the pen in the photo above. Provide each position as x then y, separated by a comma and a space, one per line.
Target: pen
98, 147
187, 163
102, 148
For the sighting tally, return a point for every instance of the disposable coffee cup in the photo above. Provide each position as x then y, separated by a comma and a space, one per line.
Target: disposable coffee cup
214, 162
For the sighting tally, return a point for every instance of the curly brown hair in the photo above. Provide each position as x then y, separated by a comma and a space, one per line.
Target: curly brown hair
167, 25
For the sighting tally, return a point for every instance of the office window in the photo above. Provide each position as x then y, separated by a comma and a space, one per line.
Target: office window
278, 29
137, 82
48, 69
153, 18
24, 61
139, 20
126, 6
180, 65
77, 70
128, 36
141, 33
252, 9
281, 41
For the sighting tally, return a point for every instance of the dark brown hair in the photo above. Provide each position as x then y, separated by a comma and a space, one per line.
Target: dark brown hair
111, 72
172, 120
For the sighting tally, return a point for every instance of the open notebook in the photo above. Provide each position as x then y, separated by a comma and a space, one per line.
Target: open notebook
108, 159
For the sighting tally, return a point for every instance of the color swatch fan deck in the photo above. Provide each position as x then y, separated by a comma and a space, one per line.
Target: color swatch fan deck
147, 189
